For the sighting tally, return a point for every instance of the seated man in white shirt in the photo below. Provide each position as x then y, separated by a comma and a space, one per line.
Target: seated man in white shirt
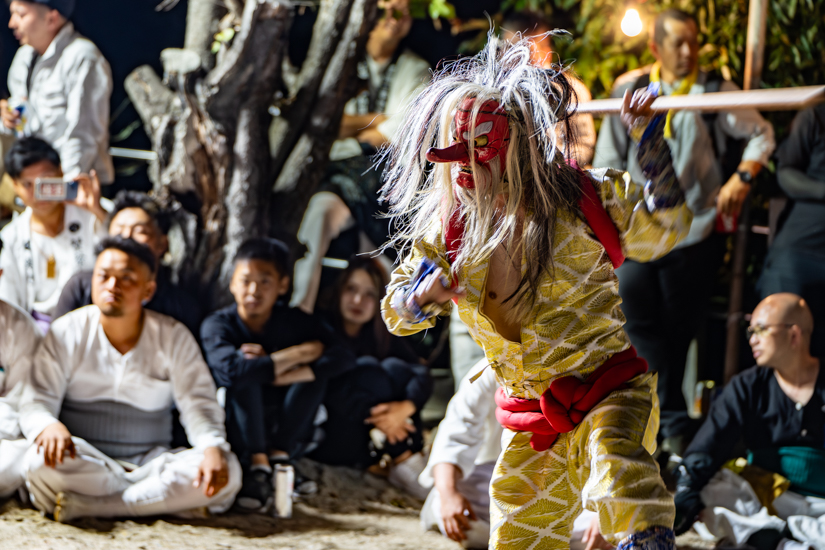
464, 453
98, 406
51, 239
19, 337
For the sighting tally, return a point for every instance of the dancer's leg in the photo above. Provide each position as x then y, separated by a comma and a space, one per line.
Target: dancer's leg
533, 503
610, 462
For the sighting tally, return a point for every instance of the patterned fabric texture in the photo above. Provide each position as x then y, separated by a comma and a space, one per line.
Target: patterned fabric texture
655, 538
574, 326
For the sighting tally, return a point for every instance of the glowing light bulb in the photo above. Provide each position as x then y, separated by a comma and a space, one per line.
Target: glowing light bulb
632, 23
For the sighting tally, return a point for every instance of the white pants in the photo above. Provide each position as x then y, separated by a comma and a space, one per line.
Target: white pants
162, 483
325, 218
12, 474
733, 511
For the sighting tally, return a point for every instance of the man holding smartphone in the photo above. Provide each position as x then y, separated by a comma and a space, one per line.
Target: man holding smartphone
52, 239
60, 86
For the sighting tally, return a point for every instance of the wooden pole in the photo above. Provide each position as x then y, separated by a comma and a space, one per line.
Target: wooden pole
774, 99
755, 46
754, 57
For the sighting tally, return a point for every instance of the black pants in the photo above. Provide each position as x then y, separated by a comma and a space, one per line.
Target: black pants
666, 302
260, 418
348, 402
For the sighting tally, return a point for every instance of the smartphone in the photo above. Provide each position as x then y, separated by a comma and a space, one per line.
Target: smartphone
54, 189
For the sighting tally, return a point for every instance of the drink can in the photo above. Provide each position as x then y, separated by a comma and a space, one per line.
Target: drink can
726, 223
20, 107
284, 485
705, 391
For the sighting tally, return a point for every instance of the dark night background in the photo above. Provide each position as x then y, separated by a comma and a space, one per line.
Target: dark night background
131, 33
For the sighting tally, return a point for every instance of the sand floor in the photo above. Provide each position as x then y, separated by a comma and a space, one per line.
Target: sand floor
351, 511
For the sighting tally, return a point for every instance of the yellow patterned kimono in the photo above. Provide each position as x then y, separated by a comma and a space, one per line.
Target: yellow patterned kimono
604, 464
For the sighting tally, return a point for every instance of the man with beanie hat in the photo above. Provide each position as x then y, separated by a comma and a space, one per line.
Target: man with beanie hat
60, 86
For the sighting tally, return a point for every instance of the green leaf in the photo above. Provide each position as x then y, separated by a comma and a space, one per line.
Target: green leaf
126, 132
225, 35
441, 8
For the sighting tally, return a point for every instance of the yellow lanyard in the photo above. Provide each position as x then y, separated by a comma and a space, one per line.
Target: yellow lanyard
682, 89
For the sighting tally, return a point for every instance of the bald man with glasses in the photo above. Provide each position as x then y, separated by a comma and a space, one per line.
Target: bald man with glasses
777, 409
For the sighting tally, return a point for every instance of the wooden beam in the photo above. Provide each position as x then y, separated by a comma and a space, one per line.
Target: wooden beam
755, 45
776, 99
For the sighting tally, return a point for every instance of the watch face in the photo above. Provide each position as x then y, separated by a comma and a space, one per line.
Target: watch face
746, 177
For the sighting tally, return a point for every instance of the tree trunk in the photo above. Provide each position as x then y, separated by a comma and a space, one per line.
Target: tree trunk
209, 122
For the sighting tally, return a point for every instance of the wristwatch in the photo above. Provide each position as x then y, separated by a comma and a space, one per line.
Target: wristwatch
745, 176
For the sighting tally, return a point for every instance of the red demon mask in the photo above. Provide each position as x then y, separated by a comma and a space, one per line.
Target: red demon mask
492, 138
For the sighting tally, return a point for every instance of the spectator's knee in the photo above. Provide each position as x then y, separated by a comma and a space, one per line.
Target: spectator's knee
34, 463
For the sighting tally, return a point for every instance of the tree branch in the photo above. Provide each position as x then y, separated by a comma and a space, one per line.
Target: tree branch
333, 18
252, 65
201, 26
307, 161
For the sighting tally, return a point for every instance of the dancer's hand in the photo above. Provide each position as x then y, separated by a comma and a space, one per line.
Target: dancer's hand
456, 513
636, 107
391, 418
432, 290
55, 440
213, 472
593, 537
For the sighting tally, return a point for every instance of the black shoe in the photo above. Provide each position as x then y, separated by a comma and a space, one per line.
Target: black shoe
256, 494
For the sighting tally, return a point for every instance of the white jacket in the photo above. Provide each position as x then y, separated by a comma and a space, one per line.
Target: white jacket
23, 265
19, 337
68, 103
469, 435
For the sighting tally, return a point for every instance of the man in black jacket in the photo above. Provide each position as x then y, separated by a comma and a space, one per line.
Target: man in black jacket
778, 408
138, 217
275, 363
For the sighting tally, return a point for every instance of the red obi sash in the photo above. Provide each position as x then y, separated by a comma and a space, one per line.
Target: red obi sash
567, 401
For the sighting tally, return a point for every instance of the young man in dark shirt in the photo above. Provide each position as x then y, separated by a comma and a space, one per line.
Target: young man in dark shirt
138, 217
778, 408
275, 363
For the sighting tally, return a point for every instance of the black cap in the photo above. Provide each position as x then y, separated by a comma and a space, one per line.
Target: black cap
64, 7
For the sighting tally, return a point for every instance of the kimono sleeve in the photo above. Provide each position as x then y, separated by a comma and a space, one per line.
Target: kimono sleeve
645, 235
433, 248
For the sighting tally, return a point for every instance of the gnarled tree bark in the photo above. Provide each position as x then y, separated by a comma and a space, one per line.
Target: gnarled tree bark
211, 126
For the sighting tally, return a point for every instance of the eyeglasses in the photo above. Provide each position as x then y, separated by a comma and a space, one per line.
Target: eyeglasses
761, 330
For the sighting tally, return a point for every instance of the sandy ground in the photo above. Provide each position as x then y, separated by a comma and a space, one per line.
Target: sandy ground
351, 511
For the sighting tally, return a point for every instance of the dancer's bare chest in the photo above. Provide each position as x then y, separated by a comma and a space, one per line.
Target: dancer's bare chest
503, 276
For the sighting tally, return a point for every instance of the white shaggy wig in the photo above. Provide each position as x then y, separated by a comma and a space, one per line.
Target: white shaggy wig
535, 182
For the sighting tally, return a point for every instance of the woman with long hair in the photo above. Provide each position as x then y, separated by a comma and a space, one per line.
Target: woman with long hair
384, 394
